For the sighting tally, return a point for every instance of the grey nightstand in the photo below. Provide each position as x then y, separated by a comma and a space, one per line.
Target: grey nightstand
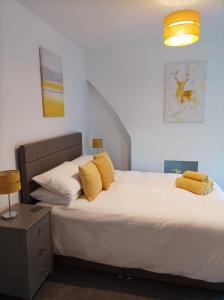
25, 251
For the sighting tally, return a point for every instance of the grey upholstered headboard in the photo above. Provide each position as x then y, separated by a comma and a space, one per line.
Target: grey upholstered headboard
40, 156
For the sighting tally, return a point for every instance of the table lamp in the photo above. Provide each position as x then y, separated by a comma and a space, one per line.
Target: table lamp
9, 183
97, 143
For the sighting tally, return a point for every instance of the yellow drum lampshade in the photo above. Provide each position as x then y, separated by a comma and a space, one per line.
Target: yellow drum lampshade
9, 182
97, 143
182, 28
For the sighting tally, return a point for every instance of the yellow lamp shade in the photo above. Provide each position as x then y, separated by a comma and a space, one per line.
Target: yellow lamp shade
97, 143
181, 28
9, 181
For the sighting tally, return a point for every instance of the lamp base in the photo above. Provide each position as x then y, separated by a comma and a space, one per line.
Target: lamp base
8, 215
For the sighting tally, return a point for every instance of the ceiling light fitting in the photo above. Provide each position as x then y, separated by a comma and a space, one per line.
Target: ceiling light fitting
182, 28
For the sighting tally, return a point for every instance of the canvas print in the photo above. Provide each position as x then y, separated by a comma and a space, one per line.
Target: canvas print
185, 92
178, 166
51, 84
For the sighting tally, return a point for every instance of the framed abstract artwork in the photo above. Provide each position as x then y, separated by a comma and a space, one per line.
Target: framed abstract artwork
185, 92
51, 83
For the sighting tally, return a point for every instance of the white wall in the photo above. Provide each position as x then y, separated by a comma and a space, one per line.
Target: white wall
21, 118
132, 80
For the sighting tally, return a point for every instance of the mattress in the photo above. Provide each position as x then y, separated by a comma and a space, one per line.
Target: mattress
144, 221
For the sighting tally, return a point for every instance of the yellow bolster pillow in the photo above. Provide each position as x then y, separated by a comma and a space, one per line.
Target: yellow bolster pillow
194, 186
106, 156
196, 176
91, 180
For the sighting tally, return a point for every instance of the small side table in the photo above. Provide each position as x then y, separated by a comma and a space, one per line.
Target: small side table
25, 251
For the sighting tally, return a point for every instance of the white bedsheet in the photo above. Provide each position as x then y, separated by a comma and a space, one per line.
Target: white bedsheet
145, 222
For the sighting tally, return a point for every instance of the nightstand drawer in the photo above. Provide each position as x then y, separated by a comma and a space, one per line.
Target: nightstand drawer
38, 243
38, 275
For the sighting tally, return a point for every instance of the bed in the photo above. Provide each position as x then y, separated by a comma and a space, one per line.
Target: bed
138, 227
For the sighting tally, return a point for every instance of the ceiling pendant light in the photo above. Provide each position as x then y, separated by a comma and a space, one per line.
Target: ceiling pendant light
182, 28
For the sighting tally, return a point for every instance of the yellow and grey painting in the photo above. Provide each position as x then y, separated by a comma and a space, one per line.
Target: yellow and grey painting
185, 92
51, 83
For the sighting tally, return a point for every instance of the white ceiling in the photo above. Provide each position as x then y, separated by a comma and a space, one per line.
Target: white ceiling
95, 24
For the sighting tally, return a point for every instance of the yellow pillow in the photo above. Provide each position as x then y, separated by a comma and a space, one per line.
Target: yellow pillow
91, 180
106, 156
106, 172
196, 176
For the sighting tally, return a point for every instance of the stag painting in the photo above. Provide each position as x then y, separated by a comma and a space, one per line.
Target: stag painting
183, 95
185, 92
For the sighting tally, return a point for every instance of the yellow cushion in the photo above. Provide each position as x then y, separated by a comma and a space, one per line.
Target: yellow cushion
196, 176
106, 172
91, 180
106, 157
195, 186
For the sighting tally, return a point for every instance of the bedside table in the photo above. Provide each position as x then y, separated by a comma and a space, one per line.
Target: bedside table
25, 251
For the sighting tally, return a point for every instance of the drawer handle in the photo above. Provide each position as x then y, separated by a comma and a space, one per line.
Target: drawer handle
42, 271
41, 251
40, 230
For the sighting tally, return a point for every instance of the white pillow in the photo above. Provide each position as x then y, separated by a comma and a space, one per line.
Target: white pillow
82, 160
62, 180
46, 196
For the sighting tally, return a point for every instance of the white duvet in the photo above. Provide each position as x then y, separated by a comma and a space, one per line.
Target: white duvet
144, 221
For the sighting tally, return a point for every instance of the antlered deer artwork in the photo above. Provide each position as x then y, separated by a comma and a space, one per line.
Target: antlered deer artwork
181, 94
185, 92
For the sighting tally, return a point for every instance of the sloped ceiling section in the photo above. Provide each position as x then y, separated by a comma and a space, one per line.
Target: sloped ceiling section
105, 123
97, 24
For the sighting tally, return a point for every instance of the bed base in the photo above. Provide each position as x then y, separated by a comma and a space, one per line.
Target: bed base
129, 273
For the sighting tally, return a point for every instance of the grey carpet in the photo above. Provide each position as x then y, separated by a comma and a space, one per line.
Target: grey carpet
77, 284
